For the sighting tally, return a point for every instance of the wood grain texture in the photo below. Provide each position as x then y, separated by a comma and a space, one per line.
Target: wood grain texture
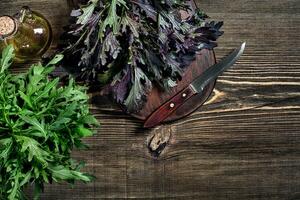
243, 144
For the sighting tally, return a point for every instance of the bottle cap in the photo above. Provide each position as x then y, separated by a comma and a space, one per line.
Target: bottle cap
8, 26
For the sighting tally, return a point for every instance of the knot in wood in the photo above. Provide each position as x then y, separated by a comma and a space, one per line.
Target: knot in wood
158, 141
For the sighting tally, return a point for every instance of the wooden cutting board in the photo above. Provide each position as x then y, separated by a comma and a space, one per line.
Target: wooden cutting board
156, 98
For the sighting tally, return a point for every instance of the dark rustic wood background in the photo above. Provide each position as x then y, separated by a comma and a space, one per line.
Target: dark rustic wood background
243, 144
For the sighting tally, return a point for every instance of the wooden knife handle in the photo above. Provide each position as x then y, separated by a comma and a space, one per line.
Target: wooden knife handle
169, 107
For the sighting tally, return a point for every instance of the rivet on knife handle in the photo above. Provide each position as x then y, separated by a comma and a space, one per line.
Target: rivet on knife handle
169, 107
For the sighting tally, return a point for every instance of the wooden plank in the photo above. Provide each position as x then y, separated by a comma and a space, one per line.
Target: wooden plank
243, 144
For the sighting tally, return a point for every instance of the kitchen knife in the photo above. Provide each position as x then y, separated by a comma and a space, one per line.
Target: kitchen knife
196, 87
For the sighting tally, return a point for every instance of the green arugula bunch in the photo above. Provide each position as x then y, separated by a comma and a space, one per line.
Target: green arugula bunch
132, 44
40, 124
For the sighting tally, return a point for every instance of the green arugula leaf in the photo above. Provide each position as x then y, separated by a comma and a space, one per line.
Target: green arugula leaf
57, 58
26, 99
36, 125
46, 90
83, 132
32, 147
62, 173
14, 190
6, 59
40, 124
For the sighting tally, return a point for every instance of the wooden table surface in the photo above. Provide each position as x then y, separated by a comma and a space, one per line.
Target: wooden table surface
243, 144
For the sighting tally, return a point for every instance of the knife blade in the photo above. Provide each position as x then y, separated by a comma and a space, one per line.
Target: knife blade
196, 87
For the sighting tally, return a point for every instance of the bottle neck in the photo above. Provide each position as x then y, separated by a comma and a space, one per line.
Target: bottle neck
8, 27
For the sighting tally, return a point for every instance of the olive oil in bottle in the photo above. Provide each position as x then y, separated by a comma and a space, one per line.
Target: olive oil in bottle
28, 31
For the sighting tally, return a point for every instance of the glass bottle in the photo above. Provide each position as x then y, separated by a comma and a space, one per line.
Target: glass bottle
28, 31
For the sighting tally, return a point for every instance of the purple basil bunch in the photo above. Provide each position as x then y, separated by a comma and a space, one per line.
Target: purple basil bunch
128, 46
